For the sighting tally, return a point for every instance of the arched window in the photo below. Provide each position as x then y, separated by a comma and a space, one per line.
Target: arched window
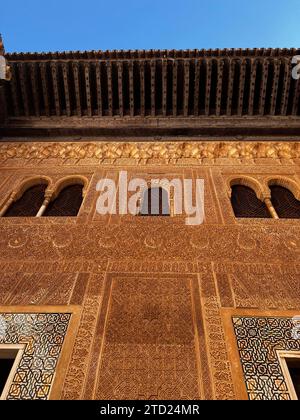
67, 203
245, 203
29, 203
284, 202
155, 202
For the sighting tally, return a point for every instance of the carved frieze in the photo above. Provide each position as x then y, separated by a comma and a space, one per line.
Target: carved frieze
148, 152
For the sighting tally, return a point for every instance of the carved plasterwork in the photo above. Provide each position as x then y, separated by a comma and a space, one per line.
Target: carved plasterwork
248, 182
261, 186
285, 182
148, 152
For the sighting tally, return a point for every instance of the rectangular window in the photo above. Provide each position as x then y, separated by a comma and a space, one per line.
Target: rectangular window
290, 364
294, 370
10, 355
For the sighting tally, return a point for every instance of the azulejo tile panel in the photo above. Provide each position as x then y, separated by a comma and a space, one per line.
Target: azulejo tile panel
258, 340
43, 335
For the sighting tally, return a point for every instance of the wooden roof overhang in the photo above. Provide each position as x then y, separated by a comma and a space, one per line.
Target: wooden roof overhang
230, 92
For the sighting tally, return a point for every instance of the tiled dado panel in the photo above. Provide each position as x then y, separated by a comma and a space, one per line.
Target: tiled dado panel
46, 334
153, 344
255, 340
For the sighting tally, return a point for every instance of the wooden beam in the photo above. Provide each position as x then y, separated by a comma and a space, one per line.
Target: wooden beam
153, 74
131, 88
22, 72
99, 88
186, 88
108, 128
286, 86
263, 86
164, 86
196, 87
241, 87
219, 86
275, 86
45, 88
208, 85
109, 89
14, 91
231, 75
120, 87
88, 88
253, 71
66, 88
174, 88
75, 67
54, 72
142, 88
35, 88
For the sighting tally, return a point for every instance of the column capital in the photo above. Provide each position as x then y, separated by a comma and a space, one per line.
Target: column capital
47, 198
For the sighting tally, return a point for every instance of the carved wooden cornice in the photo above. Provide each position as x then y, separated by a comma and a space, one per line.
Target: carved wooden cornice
148, 152
179, 128
150, 54
155, 84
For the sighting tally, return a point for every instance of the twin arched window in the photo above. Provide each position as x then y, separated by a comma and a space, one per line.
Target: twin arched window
34, 203
282, 204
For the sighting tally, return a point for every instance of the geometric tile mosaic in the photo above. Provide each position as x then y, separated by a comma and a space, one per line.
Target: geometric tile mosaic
43, 335
258, 340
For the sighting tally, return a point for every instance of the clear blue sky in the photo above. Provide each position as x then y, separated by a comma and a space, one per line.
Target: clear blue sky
57, 25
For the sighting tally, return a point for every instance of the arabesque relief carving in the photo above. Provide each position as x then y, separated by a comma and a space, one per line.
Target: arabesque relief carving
143, 153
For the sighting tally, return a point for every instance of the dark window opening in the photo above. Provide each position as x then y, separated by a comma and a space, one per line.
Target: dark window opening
294, 369
7, 359
67, 203
284, 202
155, 202
245, 203
29, 204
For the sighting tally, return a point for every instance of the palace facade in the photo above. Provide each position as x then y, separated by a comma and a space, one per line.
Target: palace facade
122, 306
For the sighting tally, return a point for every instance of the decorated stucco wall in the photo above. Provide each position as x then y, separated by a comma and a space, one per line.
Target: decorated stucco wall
151, 290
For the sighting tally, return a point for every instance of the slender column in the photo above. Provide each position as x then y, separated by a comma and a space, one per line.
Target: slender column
171, 206
48, 196
270, 208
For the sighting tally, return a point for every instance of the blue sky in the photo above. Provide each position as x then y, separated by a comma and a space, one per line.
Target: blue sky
57, 25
